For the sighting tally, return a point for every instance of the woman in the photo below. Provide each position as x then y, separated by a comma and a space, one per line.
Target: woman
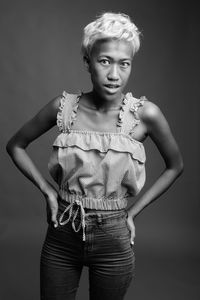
98, 161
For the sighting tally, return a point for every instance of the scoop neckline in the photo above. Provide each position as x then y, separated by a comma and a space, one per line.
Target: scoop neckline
120, 111
118, 108
94, 109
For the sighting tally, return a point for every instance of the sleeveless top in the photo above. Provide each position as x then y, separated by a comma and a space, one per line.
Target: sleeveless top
98, 169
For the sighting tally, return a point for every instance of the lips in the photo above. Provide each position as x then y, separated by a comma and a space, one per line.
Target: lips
112, 86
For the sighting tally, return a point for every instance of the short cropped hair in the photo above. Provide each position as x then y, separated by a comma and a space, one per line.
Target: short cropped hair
117, 26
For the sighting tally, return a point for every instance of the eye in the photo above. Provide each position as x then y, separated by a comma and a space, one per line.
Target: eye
104, 62
125, 64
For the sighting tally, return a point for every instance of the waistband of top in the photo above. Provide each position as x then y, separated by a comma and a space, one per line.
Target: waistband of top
96, 214
103, 203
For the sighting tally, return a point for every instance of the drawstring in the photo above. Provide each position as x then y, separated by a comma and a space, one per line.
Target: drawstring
70, 209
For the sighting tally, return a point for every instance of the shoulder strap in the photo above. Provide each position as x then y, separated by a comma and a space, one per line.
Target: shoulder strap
131, 117
67, 111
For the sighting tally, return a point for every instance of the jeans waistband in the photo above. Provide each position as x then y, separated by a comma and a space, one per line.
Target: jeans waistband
77, 212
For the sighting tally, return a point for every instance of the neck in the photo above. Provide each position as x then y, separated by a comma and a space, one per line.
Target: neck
102, 104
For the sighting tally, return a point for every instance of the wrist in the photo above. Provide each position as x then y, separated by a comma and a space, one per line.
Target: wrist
47, 189
131, 214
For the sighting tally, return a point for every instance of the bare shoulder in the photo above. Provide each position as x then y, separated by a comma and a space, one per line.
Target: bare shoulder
49, 111
55, 103
160, 132
150, 112
153, 118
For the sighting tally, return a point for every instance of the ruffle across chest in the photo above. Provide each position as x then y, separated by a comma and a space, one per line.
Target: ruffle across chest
102, 142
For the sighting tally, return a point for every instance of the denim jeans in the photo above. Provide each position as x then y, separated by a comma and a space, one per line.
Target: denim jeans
106, 251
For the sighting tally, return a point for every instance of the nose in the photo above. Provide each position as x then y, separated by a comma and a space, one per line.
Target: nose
113, 73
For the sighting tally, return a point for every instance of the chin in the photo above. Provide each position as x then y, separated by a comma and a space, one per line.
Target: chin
113, 96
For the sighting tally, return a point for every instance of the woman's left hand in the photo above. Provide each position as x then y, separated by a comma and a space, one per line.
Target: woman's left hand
131, 227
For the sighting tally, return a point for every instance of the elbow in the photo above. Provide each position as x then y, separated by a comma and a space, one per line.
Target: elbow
15, 144
176, 169
10, 147
179, 168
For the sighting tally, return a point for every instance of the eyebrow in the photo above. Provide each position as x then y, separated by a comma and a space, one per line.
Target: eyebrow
111, 58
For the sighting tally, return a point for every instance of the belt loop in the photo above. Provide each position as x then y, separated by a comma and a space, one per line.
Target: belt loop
99, 219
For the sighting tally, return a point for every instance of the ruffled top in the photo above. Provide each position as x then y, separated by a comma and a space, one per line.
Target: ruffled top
100, 169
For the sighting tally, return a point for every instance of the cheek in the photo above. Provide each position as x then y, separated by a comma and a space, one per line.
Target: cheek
126, 76
96, 78
98, 74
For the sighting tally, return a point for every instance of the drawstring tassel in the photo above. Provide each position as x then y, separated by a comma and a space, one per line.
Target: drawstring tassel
70, 209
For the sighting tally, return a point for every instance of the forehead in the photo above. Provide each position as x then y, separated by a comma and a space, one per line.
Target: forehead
119, 49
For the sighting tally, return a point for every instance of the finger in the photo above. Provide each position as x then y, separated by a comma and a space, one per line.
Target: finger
54, 219
132, 238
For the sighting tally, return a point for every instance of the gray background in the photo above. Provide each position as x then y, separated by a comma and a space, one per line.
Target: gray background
40, 57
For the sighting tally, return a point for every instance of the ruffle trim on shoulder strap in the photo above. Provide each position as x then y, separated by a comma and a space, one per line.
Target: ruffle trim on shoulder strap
67, 116
60, 112
121, 113
73, 115
136, 104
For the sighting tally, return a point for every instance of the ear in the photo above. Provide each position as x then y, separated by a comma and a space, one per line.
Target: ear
86, 62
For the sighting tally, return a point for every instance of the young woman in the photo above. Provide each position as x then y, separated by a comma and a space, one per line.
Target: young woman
98, 161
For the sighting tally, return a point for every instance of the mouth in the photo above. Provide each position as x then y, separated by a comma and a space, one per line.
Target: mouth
112, 88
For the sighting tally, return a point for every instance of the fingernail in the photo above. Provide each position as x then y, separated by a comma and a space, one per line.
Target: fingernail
132, 242
55, 225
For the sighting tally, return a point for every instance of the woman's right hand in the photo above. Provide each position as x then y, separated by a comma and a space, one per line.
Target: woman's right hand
51, 197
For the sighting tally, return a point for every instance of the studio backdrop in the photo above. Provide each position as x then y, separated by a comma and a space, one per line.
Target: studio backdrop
40, 57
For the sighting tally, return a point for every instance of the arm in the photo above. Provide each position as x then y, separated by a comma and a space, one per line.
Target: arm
159, 131
16, 148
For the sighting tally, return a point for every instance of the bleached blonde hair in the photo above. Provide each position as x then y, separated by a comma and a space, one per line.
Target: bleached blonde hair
117, 26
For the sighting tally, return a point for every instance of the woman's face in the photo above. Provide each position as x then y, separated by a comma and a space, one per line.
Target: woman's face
110, 67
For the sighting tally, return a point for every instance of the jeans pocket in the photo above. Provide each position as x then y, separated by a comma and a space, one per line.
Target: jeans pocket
115, 230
